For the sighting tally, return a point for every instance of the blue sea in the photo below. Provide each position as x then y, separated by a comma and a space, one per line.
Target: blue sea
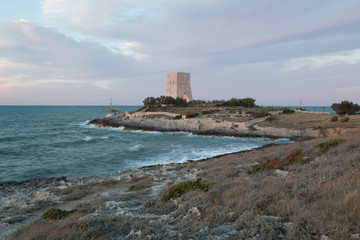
51, 141
311, 108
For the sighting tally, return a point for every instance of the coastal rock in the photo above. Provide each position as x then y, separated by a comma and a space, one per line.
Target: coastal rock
209, 126
195, 211
281, 173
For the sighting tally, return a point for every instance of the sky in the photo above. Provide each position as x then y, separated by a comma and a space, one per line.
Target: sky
86, 52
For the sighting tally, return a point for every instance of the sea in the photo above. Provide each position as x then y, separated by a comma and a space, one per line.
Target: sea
53, 141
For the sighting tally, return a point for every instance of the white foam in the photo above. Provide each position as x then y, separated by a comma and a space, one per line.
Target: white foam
104, 137
146, 132
121, 128
87, 138
136, 148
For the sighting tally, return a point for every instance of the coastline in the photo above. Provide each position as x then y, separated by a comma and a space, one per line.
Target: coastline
133, 197
30, 198
207, 126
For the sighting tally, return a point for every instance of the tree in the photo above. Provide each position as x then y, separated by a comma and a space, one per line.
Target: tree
345, 107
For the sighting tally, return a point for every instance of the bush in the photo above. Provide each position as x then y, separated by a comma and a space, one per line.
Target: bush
334, 119
191, 115
152, 101
345, 107
210, 111
56, 213
245, 102
345, 119
271, 119
178, 116
325, 146
260, 114
180, 189
296, 156
288, 111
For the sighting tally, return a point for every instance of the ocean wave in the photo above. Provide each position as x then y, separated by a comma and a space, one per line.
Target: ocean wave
87, 138
136, 148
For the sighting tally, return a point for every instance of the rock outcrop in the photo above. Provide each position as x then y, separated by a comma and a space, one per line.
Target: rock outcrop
208, 126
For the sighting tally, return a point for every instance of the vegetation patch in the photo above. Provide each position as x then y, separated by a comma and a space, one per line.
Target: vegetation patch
296, 156
180, 189
260, 114
345, 119
56, 213
288, 111
334, 119
191, 115
244, 102
325, 146
271, 119
178, 116
162, 100
210, 111
345, 107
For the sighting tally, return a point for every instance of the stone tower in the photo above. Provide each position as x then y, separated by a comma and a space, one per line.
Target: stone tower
178, 85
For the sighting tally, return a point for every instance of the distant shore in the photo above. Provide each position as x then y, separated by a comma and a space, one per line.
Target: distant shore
161, 121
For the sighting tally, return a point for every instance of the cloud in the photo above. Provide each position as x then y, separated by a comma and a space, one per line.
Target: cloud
324, 60
129, 49
55, 6
128, 46
37, 54
21, 20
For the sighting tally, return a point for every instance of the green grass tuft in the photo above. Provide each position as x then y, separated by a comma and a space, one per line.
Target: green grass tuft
325, 146
191, 115
296, 156
288, 111
180, 189
56, 213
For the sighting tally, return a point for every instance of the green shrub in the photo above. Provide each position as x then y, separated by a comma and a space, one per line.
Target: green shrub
345, 119
325, 146
345, 107
271, 119
263, 166
178, 116
191, 115
260, 114
56, 213
210, 111
180, 189
288, 111
158, 101
334, 119
245, 102
296, 156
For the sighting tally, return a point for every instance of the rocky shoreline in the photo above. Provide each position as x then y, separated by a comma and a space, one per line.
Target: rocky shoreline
25, 201
208, 126
130, 201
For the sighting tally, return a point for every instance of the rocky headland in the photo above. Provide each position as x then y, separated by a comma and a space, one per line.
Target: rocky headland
164, 121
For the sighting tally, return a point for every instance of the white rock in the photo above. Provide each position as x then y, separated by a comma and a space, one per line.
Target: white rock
195, 211
40, 196
281, 173
324, 237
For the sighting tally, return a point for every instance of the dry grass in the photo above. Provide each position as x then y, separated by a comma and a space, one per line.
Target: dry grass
310, 120
318, 198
